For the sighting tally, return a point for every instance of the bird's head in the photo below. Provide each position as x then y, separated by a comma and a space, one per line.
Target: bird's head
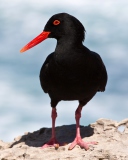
59, 26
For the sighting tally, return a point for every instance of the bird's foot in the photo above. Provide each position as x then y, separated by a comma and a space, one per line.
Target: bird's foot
81, 143
52, 143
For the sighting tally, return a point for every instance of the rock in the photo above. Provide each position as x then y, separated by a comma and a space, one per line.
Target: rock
112, 143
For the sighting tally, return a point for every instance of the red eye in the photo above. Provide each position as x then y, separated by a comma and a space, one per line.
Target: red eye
56, 22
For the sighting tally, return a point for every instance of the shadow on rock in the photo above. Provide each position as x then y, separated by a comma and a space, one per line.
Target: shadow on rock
64, 134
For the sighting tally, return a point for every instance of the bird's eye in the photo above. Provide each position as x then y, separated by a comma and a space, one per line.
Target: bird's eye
56, 22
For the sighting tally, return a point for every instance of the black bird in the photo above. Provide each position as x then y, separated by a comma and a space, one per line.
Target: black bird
71, 72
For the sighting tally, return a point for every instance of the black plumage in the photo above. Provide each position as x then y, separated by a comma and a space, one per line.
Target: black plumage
71, 72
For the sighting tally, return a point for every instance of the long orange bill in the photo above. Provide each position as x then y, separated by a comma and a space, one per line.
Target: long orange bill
35, 41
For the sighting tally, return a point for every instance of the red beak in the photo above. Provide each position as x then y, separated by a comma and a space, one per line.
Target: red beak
41, 37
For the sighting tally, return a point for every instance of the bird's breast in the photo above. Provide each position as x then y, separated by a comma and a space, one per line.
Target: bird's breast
70, 73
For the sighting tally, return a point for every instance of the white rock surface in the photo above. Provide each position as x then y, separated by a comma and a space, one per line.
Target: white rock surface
112, 143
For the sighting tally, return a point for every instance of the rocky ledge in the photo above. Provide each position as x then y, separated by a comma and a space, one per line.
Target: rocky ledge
112, 138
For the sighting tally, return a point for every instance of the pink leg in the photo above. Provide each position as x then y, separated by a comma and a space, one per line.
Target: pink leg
52, 142
78, 140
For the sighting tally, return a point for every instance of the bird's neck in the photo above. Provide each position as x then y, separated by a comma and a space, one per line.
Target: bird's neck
66, 44
66, 50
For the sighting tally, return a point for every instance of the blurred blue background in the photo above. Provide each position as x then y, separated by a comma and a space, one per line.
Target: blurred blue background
23, 105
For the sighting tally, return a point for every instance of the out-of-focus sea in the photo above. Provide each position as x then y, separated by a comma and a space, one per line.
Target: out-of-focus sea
23, 104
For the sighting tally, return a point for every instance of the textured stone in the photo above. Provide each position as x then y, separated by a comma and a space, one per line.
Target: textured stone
112, 144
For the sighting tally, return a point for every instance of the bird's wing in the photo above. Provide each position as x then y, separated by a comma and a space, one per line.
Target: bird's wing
102, 73
44, 72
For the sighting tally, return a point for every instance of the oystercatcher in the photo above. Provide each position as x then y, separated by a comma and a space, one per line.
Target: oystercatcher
71, 72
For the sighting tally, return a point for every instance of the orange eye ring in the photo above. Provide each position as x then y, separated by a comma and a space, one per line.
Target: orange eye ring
56, 22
